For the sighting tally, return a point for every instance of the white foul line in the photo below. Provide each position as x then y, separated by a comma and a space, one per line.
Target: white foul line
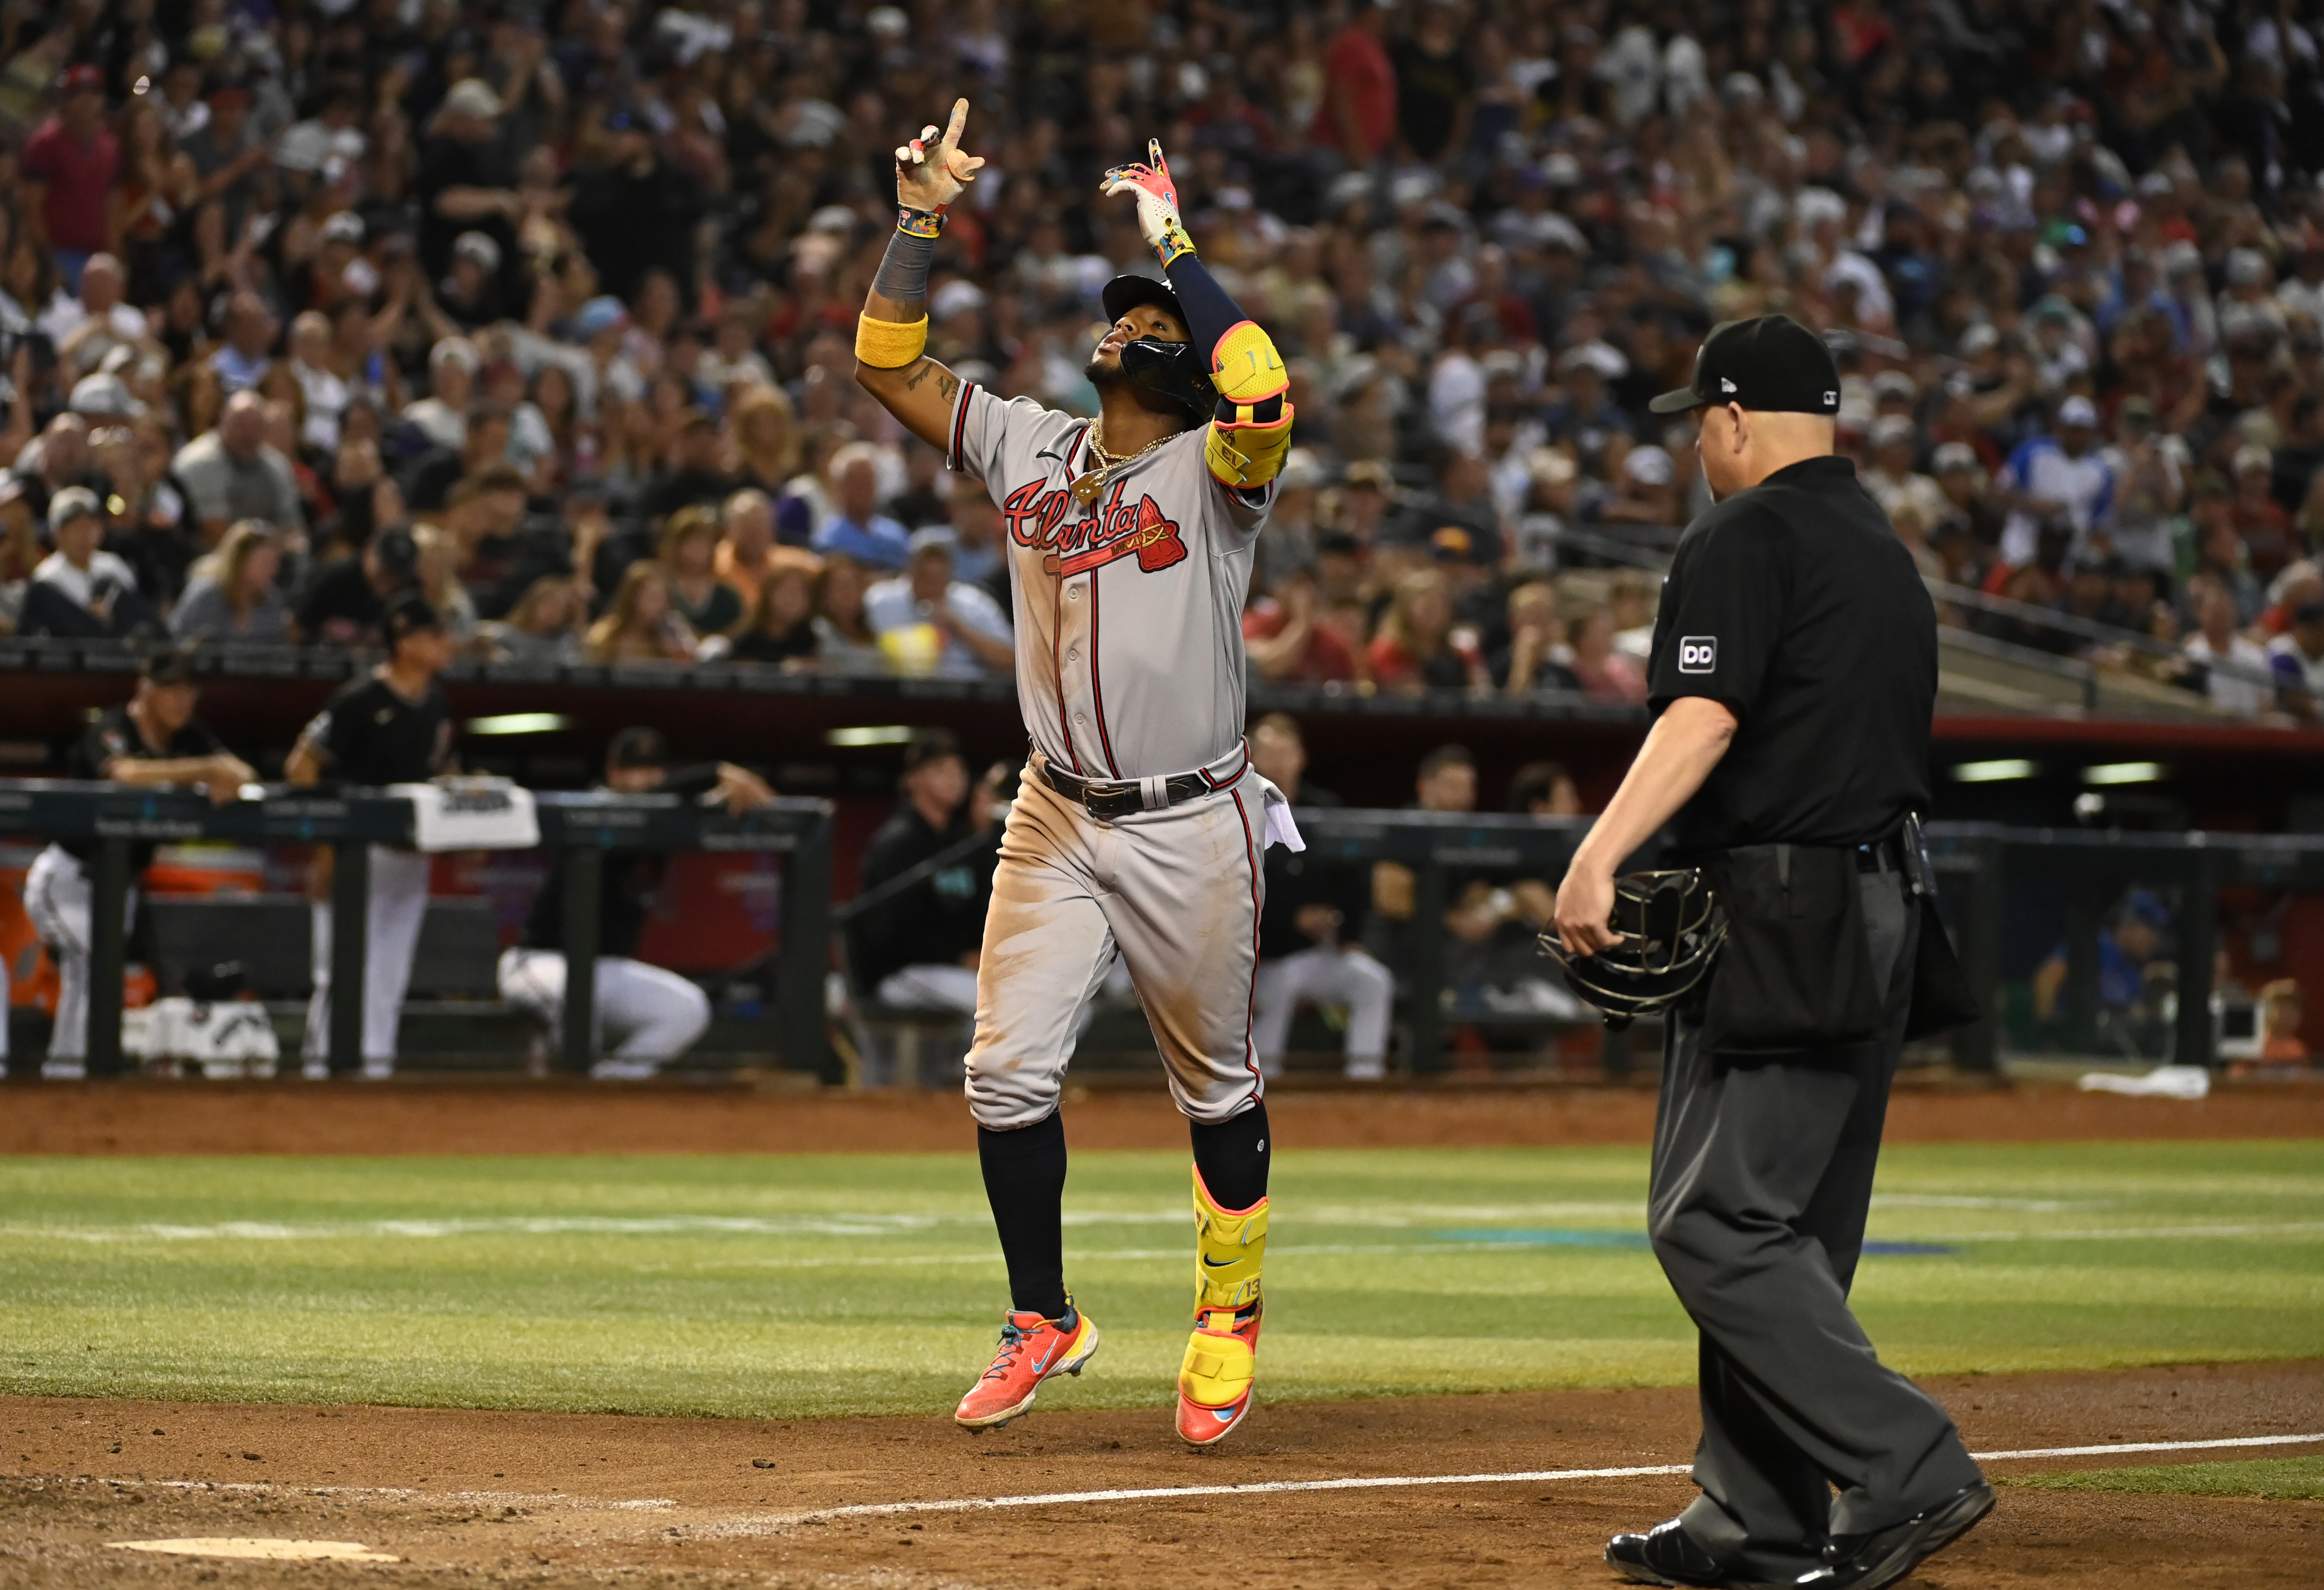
1375, 1482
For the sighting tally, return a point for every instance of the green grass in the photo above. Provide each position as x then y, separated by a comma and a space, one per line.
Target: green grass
2278, 1479
804, 1285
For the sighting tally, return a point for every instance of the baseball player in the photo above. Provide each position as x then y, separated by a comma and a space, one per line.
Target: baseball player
650, 1014
1141, 823
391, 727
154, 740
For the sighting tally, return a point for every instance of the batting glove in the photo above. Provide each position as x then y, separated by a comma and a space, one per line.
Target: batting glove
1157, 202
931, 170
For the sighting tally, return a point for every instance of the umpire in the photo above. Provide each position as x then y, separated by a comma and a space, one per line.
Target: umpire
1793, 672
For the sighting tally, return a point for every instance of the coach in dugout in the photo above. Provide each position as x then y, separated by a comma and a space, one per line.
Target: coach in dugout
648, 1014
918, 948
152, 740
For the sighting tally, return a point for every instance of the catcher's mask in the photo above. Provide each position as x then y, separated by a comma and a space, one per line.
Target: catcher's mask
1671, 933
1171, 372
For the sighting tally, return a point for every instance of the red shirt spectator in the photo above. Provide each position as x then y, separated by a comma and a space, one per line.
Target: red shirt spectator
1321, 658
74, 159
1358, 116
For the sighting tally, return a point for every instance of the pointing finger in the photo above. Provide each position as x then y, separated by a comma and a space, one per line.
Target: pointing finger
959, 120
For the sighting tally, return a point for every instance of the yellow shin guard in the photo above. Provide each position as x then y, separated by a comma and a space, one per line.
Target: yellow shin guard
1229, 1250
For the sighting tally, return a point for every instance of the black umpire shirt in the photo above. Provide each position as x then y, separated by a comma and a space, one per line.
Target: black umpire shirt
1795, 606
372, 736
113, 736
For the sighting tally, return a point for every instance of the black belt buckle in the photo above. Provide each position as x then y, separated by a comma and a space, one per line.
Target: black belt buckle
1108, 802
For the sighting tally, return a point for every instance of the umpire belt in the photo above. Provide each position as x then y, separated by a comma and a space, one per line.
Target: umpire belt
1107, 799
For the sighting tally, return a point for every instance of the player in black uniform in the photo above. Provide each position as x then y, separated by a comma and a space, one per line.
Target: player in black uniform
391, 726
650, 1014
1794, 670
154, 740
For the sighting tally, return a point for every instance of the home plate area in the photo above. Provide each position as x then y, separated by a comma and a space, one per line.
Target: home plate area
1517, 1489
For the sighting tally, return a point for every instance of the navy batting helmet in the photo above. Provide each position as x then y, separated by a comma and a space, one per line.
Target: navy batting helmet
1173, 372
1672, 930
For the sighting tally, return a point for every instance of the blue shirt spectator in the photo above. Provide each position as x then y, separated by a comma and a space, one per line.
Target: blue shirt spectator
859, 530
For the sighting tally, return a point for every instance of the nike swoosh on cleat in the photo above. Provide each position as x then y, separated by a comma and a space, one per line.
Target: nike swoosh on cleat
1223, 1415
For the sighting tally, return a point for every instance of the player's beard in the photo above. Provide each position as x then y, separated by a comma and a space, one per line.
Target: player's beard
1106, 377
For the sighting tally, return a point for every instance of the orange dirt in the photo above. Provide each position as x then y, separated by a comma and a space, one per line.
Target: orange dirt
542, 1499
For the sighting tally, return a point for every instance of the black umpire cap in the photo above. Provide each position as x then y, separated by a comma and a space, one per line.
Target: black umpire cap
1773, 364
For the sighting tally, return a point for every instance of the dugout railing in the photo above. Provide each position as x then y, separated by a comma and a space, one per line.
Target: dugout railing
577, 830
1977, 866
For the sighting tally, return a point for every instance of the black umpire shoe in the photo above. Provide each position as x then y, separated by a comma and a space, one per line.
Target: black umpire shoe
1867, 1562
1664, 1554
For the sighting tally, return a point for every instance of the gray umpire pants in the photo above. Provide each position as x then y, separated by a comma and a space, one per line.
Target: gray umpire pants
1762, 1176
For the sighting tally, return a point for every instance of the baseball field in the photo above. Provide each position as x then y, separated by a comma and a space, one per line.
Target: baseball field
556, 1363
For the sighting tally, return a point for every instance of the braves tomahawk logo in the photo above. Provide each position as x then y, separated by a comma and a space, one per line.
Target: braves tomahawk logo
1035, 514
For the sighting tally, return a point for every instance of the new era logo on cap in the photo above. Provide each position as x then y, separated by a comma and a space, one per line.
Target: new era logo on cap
1772, 365
1698, 654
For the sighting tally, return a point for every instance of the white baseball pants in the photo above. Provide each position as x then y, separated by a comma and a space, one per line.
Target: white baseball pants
1347, 977
646, 1013
398, 905
57, 898
932, 987
1177, 892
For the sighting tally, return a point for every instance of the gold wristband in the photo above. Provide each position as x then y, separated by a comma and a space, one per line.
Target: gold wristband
887, 345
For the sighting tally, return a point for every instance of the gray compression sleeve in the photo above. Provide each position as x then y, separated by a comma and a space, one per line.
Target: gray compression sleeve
904, 271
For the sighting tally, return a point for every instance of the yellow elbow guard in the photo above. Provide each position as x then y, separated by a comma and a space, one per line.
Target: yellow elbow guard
887, 345
1248, 452
1245, 366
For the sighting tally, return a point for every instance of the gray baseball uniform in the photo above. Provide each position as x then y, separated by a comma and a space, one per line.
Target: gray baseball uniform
1130, 670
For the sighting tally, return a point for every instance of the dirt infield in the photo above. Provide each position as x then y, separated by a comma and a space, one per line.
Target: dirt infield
538, 1499
563, 1118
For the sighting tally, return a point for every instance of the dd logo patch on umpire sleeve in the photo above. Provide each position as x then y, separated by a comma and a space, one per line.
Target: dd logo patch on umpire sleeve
1697, 654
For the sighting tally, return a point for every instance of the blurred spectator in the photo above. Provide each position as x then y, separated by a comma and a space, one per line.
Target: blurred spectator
2150, 489
230, 472
442, 416
856, 528
746, 552
1287, 639
81, 591
1603, 672
918, 947
232, 595
780, 627
640, 625
544, 626
844, 640
1358, 116
2297, 656
928, 622
1893, 481
1537, 653
67, 168
2056, 477
1545, 789
2216, 640
437, 573
346, 602
1307, 948
1418, 648
689, 549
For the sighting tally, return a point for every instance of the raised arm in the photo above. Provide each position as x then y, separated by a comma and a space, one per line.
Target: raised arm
891, 339
1250, 427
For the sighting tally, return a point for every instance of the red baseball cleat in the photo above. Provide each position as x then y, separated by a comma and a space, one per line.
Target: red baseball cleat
1214, 1380
1032, 1349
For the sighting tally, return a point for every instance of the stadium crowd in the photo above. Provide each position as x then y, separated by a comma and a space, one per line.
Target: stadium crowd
544, 311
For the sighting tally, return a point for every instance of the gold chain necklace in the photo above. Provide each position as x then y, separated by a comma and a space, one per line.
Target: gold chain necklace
1086, 487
